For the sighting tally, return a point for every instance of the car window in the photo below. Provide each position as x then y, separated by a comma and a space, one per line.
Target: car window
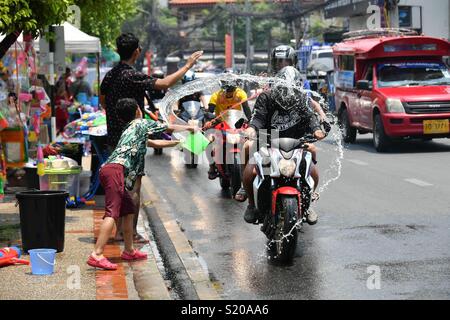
412, 74
326, 55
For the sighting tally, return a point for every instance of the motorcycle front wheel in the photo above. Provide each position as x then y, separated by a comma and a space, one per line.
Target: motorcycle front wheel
284, 243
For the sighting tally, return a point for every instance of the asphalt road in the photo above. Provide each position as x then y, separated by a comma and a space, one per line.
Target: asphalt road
387, 217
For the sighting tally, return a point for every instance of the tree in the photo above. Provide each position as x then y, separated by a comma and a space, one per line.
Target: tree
104, 18
30, 17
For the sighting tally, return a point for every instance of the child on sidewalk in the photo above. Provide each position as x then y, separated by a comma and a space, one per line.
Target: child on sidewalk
119, 174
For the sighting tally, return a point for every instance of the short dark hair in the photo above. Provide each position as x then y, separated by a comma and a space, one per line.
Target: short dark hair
126, 110
126, 44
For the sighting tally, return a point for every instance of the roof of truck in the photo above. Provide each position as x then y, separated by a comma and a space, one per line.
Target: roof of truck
384, 46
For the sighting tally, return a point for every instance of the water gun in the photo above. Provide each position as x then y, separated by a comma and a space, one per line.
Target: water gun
10, 256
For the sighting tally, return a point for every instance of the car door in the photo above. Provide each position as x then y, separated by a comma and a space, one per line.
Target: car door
365, 101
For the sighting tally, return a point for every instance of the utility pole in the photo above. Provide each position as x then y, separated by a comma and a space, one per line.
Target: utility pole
248, 31
233, 66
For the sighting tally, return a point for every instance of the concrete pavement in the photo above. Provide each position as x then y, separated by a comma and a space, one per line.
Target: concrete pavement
73, 279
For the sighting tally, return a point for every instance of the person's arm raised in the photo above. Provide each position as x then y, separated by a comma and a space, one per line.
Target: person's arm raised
170, 80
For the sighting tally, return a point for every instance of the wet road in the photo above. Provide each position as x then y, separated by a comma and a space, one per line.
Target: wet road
388, 212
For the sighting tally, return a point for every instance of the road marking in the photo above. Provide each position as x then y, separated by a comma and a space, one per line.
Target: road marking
418, 182
358, 162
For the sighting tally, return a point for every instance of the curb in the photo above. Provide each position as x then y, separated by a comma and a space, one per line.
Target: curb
200, 280
148, 280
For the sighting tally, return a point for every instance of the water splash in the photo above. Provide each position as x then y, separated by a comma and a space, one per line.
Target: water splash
212, 84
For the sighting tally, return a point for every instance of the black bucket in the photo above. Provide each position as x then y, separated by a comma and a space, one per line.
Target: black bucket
42, 219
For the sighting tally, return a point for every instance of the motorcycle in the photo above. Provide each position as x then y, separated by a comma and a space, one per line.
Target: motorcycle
283, 189
227, 160
193, 114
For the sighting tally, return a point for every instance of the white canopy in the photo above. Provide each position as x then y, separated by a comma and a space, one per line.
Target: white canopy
76, 41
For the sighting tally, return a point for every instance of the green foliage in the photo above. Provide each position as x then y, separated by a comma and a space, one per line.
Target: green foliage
31, 16
104, 18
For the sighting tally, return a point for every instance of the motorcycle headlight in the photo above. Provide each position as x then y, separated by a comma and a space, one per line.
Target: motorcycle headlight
233, 138
394, 106
287, 167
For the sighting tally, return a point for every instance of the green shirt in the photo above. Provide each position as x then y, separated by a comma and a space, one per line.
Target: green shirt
132, 147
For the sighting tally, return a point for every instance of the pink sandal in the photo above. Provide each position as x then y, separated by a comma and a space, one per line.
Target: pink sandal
137, 255
101, 263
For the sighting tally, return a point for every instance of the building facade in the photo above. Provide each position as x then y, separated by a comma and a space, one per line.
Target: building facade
431, 18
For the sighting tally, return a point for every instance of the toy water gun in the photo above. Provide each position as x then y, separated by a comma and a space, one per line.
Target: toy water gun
10, 256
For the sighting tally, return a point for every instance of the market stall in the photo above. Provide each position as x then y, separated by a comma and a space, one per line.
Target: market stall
24, 110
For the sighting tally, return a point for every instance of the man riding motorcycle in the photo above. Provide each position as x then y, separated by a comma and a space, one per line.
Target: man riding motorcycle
284, 110
229, 95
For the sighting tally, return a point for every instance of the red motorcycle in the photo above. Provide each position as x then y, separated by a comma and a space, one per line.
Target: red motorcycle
228, 160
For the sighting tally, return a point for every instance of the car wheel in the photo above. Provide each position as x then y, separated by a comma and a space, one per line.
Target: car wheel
348, 132
381, 141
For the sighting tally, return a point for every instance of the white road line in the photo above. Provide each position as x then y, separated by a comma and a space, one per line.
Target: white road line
418, 182
358, 162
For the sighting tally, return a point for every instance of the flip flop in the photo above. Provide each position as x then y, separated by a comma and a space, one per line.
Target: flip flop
101, 263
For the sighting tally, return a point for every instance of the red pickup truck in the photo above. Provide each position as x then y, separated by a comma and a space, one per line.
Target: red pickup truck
394, 86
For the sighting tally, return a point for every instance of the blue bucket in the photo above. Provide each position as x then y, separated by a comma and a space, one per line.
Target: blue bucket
42, 261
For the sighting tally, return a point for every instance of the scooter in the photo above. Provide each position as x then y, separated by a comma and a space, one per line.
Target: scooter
193, 114
227, 159
283, 189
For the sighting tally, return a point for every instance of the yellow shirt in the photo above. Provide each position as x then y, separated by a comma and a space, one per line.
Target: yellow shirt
222, 102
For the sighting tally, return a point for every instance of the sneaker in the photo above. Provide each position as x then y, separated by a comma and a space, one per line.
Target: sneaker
251, 214
101, 263
311, 217
136, 255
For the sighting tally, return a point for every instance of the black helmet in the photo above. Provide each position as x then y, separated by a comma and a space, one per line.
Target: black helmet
281, 53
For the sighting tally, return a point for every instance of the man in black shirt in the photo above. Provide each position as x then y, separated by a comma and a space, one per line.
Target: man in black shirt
123, 81
283, 110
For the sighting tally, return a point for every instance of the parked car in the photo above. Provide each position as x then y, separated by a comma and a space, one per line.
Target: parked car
395, 86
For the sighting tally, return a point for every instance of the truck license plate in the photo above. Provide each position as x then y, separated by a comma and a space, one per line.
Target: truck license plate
435, 126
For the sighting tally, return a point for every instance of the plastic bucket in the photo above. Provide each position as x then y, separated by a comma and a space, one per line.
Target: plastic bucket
196, 143
42, 261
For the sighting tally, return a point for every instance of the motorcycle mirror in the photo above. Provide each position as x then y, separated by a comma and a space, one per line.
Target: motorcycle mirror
239, 123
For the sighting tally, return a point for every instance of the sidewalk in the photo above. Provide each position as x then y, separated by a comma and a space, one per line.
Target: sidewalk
73, 279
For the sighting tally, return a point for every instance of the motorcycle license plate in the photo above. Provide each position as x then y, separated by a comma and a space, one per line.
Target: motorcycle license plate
435, 126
